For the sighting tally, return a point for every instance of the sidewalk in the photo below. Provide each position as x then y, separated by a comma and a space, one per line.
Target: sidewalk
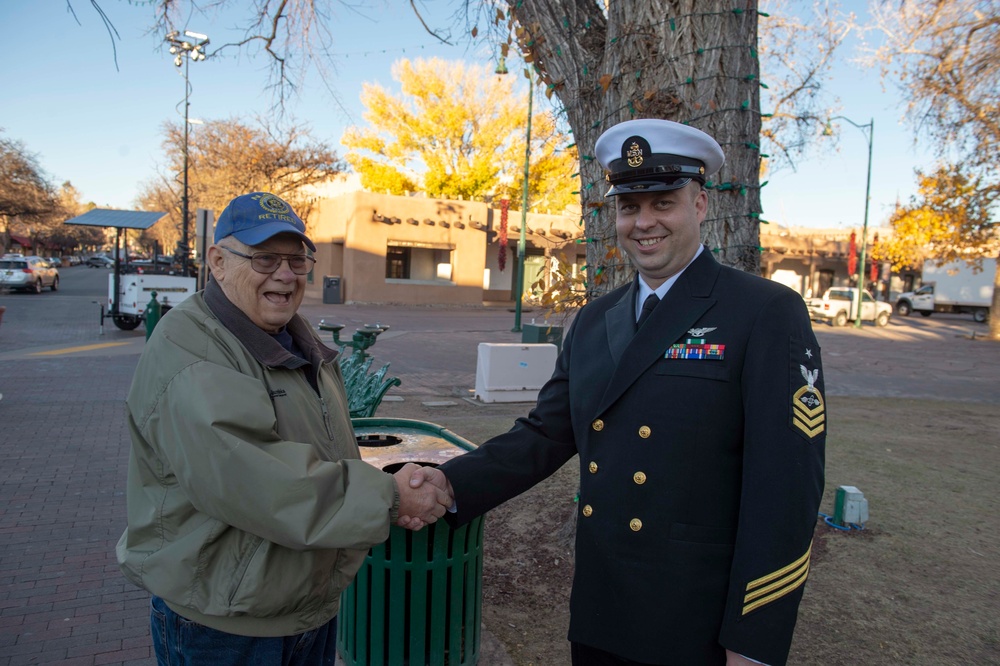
65, 446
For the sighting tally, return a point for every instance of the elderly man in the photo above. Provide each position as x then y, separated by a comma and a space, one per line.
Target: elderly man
249, 509
693, 397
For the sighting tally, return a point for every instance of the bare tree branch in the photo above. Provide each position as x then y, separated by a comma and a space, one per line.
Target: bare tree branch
432, 33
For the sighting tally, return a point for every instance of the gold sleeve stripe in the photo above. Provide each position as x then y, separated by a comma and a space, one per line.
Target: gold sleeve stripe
777, 595
781, 582
810, 432
764, 580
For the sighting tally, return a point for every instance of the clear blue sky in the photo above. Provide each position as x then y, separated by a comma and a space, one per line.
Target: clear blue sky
100, 128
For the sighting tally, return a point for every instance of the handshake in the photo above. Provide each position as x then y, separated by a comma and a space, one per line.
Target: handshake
424, 495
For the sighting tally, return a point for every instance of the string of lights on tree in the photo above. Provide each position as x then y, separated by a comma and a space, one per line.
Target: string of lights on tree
551, 44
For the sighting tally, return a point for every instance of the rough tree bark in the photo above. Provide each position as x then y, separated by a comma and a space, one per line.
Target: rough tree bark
685, 60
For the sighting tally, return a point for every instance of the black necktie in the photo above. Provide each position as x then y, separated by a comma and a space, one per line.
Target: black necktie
647, 309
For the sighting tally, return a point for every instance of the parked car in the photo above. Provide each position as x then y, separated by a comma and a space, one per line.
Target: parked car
28, 274
838, 306
101, 261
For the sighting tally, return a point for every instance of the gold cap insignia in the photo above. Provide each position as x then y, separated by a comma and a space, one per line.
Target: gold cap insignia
634, 155
273, 204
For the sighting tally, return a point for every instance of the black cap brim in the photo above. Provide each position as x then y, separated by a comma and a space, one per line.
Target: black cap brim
640, 186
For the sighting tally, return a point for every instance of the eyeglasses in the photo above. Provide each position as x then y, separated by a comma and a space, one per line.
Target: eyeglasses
269, 262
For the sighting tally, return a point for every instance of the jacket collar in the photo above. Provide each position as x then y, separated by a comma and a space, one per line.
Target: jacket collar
634, 351
264, 348
620, 321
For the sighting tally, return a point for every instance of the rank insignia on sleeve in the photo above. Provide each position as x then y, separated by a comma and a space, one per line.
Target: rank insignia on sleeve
777, 584
808, 410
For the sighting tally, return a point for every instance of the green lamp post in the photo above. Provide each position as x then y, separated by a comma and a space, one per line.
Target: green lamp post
521, 241
869, 136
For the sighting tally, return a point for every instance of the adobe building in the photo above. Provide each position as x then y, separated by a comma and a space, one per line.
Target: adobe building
810, 261
381, 248
417, 250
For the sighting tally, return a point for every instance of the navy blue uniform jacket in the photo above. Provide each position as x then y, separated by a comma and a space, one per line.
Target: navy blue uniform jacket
701, 441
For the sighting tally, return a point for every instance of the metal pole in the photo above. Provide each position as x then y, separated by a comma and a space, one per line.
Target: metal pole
524, 217
184, 196
116, 280
185, 50
864, 229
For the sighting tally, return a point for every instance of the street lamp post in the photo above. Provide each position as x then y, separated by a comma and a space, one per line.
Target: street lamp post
869, 135
521, 241
184, 51
524, 218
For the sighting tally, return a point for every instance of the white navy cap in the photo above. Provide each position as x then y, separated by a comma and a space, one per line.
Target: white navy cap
650, 155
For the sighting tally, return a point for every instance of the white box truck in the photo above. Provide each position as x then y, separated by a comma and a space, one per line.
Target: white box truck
951, 287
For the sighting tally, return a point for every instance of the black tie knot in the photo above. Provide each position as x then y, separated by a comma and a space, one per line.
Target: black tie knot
647, 309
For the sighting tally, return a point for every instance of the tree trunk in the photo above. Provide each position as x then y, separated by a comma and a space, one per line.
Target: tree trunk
692, 62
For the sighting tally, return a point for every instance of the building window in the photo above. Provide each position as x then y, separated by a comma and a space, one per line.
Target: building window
423, 262
824, 280
397, 262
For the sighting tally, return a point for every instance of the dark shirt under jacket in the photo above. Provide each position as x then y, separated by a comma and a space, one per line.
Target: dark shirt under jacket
701, 441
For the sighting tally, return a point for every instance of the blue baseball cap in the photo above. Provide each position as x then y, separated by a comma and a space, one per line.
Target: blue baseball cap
255, 217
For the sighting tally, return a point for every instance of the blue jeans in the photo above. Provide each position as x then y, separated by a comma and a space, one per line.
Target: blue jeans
178, 641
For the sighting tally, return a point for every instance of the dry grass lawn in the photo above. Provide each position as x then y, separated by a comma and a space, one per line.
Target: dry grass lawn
919, 585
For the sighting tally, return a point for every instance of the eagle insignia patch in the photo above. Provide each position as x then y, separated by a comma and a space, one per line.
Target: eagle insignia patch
808, 409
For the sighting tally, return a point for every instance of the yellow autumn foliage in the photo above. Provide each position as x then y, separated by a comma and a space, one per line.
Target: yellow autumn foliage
458, 131
950, 218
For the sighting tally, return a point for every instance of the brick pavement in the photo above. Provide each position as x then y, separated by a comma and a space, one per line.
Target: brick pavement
64, 446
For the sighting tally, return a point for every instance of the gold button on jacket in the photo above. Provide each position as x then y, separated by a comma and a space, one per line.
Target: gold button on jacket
587, 510
645, 432
635, 524
639, 478
598, 425
592, 467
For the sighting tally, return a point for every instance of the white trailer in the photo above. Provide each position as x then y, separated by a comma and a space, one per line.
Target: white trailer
952, 287
136, 290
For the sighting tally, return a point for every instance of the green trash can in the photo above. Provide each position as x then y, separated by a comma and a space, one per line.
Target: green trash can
540, 333
417, 599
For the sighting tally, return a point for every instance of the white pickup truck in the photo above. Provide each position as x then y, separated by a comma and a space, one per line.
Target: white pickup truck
838, 306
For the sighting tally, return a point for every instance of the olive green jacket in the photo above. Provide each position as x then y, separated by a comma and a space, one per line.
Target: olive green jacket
249, 509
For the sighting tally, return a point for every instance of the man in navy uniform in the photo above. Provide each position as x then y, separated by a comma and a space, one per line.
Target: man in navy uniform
694, 398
